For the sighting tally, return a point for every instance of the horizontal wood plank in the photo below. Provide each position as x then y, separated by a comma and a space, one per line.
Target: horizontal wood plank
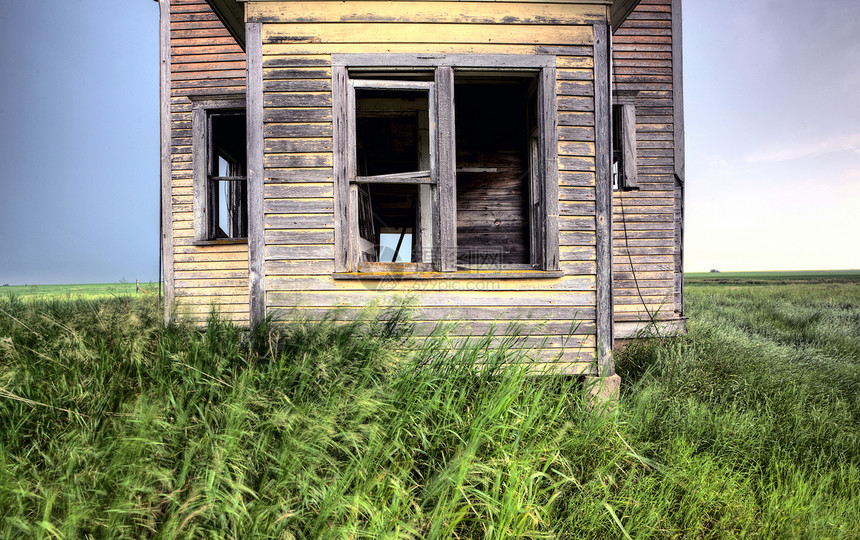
425, 33
508, 13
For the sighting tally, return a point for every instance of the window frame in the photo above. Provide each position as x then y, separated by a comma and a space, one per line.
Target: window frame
543, 205
202, 109
421, 177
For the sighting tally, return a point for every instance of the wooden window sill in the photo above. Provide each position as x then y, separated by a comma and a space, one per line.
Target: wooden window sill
220, 242
463, 274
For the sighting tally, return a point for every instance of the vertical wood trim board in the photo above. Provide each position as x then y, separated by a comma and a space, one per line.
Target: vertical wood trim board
680, 164
199, 171
603, 199
339, 105
166, 176
548, 115
354, 248
446, 167
254, 116
678, 89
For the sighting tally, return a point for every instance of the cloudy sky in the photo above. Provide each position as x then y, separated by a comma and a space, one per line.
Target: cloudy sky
772, 95
772, 99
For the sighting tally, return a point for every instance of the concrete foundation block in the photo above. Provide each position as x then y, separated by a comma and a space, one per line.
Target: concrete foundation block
603, 392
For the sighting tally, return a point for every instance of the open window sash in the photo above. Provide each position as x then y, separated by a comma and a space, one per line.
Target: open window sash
624, 169
369, 229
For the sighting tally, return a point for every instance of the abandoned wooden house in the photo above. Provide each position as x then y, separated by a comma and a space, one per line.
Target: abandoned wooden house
495, 160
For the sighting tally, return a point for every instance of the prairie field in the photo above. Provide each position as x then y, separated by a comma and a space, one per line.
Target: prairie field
89, 291
759, 278
114, 426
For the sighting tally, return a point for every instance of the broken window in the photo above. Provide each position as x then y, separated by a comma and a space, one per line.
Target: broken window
624, 147
449, 168
393, 182
220, 170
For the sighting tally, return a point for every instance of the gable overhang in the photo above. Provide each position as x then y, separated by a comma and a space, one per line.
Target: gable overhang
619, 10
232, 13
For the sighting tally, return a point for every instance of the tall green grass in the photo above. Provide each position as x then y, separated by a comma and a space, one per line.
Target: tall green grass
756, 413
114, 426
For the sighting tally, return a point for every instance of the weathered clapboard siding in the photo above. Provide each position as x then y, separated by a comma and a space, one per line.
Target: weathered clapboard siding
299, 192
205, 61
508, 13
646, 265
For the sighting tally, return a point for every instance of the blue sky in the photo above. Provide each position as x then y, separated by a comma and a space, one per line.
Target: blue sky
79, 134
772, 95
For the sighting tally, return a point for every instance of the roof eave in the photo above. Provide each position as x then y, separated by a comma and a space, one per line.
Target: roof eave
619, 11
232, 14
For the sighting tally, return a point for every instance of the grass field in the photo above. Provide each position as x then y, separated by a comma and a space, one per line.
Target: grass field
89, 291
113, 426
819, 276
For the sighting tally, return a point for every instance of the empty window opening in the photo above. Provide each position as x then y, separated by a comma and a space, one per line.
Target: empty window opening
495, 131
392, 132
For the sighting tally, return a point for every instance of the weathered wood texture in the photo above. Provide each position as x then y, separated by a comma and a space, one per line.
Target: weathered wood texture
300, 195
605, 365
432, 12
680, 159
647, 223
256, 236
205, 61
166, 218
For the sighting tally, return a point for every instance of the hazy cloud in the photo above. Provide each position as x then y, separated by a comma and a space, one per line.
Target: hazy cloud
842, 143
